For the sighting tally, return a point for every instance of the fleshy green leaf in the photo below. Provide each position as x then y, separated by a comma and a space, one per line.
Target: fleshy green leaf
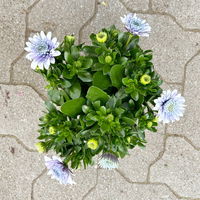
75, 90
116, 75
95, 93
101, 81
73, 107
68, 57
85, 76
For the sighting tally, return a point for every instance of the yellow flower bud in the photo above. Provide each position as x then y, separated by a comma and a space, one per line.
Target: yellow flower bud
145, 79
52, 130
108, 59
129, 139
40, 147
155, 120
110, 117
92, 144
149, 124
71, 38
78, 63
101, 37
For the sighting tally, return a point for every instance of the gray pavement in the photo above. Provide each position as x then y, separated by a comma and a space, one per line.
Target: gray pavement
167, 169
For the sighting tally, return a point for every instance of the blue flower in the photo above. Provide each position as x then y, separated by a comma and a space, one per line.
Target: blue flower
170, 106
58, 171
42, 50
135, 25
108, 161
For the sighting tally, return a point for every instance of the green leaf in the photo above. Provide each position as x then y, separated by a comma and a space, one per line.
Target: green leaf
87, 63
75, 90
95, 93
122, 37
101, 81
128, 120
73, 107
68, 57
106, 69
66, 84
75, 52
50, 107
54, 95
116, 75
135, 95
85, 76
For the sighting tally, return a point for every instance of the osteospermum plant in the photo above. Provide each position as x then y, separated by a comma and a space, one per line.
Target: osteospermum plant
101, 97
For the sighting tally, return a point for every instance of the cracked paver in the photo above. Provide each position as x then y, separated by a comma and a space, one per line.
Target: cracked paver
136, 5
12, 33
112, 186
17, 171
179, 168
168, 169
61, 20
23, 74
85, 179
189, 124
172, 46
186, 12
20, 108
135, 165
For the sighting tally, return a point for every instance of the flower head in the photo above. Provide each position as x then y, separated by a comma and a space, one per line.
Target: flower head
108, 161
58, 170
145, 79
40, 147
170, 106
42, 50
101, 37
135, 25
92, 144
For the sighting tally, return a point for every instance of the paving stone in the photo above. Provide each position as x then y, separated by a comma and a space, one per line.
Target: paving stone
136, 4
46, 188
23, 74
179, 168
12, 32
186, 12
20, 108
18, 168
172, 47
189, 124
111, 186
61, 17
135, 166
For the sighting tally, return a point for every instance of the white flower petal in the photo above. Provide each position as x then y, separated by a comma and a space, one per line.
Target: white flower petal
49, 34
42, 35
34, 64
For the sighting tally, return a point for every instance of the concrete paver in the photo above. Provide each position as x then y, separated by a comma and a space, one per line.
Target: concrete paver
18, 169
20, 108
179, 168
185, 12
112, 186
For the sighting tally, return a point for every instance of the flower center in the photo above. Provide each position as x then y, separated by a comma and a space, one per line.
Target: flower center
170, 105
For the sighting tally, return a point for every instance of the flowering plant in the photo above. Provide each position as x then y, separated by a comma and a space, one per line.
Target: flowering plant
102, 97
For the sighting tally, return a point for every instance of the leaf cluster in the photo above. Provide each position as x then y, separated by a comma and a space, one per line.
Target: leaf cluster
95, 92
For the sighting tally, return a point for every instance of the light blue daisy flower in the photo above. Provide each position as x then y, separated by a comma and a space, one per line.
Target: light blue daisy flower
170, 106
135, 25
42, 50
108, 161
58, 171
